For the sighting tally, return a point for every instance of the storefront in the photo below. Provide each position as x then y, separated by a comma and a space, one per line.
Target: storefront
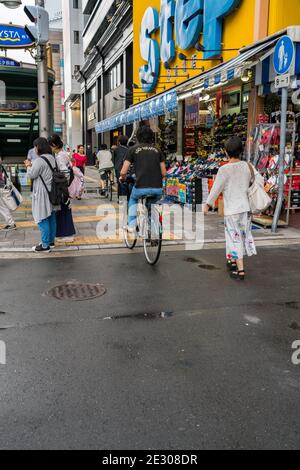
214, 86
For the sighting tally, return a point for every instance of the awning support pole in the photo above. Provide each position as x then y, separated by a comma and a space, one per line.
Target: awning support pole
284, 105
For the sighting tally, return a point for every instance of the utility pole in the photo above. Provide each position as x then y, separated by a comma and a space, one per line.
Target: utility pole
40, 34
43, 90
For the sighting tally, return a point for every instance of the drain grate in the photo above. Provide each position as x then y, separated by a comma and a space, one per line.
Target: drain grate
77, 291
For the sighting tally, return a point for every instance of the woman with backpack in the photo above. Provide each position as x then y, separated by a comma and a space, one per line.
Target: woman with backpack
64, 218
43, 211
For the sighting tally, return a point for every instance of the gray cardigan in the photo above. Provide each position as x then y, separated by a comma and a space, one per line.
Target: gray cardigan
41, 206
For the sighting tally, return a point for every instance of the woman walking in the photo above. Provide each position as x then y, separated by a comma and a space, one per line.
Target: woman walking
233, 180
4, 210
105, 165
80, 159
42, 210
64, 218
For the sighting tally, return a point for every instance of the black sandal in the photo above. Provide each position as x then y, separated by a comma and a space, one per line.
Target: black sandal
238, 275
231, 265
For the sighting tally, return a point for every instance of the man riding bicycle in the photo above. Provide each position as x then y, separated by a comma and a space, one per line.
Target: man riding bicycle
150, 169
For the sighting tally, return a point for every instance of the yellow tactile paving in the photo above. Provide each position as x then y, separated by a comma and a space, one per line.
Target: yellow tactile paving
93, 207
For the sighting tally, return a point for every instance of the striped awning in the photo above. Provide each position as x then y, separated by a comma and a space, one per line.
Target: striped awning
166, 102
228, 71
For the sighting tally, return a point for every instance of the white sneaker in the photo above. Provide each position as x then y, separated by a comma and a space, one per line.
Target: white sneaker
66, 239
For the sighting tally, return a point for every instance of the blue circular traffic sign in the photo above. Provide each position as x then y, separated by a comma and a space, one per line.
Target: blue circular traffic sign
284, 55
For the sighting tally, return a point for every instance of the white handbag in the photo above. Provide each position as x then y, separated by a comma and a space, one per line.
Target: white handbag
259, 200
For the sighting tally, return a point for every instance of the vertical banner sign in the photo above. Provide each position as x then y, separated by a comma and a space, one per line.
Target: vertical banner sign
192, 111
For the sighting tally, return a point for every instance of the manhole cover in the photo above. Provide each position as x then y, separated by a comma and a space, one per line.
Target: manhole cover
77, 292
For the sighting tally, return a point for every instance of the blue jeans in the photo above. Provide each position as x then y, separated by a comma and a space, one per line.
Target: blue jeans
48, 230
136, 195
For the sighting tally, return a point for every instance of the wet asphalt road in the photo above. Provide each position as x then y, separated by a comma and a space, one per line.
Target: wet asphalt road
217, 374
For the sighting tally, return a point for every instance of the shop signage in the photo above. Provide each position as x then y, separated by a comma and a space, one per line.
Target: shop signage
284, 55
6, 62
92, 116
18, 107
14, 37
189, 18
282, 81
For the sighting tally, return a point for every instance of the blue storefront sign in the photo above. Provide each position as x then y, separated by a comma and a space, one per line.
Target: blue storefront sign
14, 37
284, 55
6, 62
18, 107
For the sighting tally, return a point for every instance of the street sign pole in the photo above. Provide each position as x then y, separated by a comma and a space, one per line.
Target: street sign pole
284, 105
43, 90
284, 55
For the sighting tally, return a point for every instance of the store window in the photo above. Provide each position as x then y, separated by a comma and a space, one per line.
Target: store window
91, 96
114, 77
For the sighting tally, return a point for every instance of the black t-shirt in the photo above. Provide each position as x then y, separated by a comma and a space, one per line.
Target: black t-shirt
146, 159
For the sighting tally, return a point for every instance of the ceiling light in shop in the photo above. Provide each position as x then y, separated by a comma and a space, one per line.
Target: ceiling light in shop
246, 75
205, 96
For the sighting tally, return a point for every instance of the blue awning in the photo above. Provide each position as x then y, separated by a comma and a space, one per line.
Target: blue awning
155, 107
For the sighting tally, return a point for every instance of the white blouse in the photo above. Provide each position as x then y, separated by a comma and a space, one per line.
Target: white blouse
233, 180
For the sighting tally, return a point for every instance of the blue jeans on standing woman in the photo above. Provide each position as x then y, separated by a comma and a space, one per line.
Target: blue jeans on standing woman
48, 230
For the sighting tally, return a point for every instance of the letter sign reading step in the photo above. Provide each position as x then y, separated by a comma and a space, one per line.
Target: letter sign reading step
284, 55
189, 22
149, 50
189, 18
14, 37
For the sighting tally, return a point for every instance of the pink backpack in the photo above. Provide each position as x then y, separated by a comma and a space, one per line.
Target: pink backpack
76, 188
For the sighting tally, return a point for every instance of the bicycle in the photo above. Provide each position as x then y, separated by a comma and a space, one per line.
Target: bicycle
149, 228
109, 182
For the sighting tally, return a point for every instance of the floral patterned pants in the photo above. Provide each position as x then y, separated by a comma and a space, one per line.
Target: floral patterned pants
239, 239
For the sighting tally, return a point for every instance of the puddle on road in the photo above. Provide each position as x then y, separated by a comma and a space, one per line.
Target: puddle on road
191, 260
295, 326
292, 305
208, 267
142, 316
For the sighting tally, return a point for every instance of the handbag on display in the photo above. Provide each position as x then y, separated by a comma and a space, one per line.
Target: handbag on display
259, 200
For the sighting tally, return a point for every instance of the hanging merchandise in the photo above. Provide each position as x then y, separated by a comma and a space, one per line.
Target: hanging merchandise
266, 158
192, 108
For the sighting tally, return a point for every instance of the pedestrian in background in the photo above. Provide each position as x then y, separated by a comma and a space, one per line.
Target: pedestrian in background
233, 180
105, 164
4, 210
80, 159
42, 210
119, 155
64, 218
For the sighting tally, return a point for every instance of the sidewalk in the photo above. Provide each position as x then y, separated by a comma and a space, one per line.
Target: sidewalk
86, 220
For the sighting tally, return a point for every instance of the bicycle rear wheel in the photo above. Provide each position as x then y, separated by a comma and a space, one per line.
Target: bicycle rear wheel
153, 246
110, 191
130, 239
